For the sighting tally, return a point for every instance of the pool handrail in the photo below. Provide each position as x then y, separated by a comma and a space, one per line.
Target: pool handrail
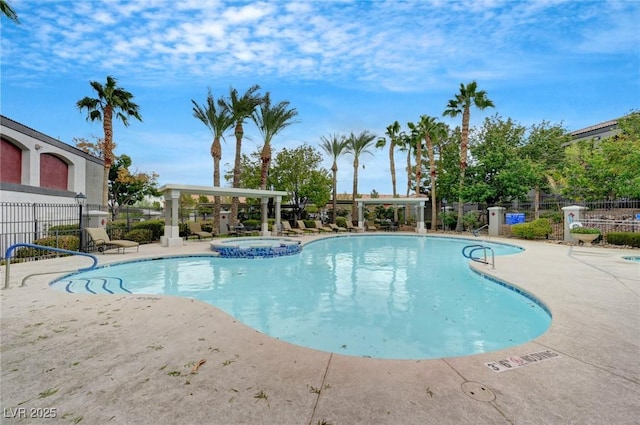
478, 247
9, 250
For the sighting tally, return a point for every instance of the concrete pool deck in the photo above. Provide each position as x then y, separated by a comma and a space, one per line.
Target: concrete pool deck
127, 359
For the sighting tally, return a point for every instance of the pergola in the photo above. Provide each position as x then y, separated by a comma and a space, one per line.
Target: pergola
417, 202
172, 193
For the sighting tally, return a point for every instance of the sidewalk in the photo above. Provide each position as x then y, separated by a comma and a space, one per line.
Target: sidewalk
99, 359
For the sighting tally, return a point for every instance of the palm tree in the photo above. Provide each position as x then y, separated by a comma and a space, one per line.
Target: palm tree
8, 11
357, 145
417, 133
271, 120
111, 100
461, 104
432, 130
218, 121
240, 108
334, 146
393, 131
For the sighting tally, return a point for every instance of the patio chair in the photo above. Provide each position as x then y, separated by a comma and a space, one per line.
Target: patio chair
288, 230
337, 228
304, 228
370, 227
352, 228
322, 227
100, 239
196, 229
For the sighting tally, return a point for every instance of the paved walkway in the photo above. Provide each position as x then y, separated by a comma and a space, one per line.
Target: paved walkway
114, 359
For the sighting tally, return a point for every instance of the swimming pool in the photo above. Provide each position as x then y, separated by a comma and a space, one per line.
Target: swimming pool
387, 296
256, 247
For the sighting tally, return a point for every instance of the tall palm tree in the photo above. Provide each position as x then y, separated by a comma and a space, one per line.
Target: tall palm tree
417, 134
8, 11
334, 146
432, 130
240, 108
218, 121
271, 120
461, 104
111, 100
357, 145
393, 131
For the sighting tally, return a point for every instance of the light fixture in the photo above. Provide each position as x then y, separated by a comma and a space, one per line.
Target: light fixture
81, 199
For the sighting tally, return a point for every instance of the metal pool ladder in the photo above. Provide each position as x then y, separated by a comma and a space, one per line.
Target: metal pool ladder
468, 251
46, 248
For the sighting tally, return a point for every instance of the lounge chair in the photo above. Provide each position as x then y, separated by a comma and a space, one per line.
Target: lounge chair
337, 228
100, 239
196, 229
288, 230
352, 228
322, 227
304, 228
370, 227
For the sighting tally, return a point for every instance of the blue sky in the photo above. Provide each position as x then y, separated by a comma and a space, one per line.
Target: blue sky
347, 66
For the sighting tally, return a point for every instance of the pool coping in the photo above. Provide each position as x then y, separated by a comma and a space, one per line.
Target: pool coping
592, 292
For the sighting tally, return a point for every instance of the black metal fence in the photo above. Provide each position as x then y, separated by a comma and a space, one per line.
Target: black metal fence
31, 222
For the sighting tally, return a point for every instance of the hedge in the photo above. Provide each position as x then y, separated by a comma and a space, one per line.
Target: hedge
540, 228
624, 238
68, 242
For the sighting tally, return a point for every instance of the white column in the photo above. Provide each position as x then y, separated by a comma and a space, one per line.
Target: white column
361, 215
496, 220
420, 220
171, 224
264, 213
572, 214
278, 223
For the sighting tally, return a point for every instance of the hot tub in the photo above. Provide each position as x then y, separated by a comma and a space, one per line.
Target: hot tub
256, 247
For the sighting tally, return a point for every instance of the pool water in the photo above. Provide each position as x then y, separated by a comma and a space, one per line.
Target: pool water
387, 296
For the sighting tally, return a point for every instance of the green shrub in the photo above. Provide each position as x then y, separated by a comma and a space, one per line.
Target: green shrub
63, 229
585, 231
450, 220
139, 235
341, 221
254, 224
553, 216
68, 242
309, 223
471, 220
536, 229
156, 227
624, 238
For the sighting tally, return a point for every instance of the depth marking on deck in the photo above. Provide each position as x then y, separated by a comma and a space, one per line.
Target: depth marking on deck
515, 362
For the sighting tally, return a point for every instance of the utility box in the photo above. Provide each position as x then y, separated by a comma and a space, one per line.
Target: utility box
496, 220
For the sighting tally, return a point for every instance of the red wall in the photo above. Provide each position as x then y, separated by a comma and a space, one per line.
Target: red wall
54, 172
11, 165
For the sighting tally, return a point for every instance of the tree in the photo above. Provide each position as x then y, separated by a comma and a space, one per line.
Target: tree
298, 172
218, 120
393, 131
357, 145
432, 130
607, 169
271, 120
334, 146
461, 104
8, 11
544, 148
499, 171
239, 108
128, 188
111, 100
